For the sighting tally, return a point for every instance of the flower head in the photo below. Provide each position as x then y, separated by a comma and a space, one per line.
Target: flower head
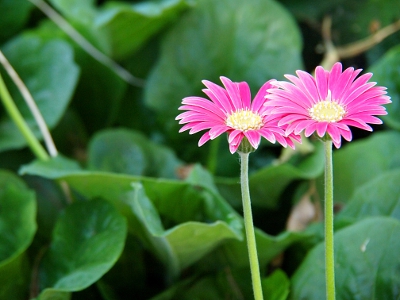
231, 110
328, 103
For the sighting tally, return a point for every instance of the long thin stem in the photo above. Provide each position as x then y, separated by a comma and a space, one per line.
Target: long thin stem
19, 121
85, 45
48, 140
329, 245
248, 224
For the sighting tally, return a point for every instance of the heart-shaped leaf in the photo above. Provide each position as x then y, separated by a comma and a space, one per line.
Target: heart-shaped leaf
48, 70
17, 229
387, 73
87, 241
366, 267
222, 46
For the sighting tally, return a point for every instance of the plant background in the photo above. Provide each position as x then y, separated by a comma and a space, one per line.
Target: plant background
130, 209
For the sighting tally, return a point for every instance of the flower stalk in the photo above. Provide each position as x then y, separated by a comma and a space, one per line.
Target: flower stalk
329, 243
249, 227
19, 121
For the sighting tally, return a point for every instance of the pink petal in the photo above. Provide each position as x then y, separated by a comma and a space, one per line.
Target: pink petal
334, 132
268, 135
233, 135
321, 78
233, 93
218, 95
259, 99
346, 134
254, 138
245, 94
234, 145
204, 138
321, 128
309, 84
217, 131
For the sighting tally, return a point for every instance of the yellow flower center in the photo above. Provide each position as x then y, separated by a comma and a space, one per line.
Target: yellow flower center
327, 110
244, 120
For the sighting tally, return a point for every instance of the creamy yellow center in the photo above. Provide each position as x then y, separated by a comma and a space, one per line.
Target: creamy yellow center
244, 120
327, 110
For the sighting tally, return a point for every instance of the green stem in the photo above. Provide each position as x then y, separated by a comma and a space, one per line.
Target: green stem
19, 121
329, 246
248, 224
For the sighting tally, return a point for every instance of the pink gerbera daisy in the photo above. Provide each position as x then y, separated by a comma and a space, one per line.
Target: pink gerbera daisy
232, 111
328, 103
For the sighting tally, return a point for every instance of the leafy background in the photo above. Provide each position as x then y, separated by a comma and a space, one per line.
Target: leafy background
132, 209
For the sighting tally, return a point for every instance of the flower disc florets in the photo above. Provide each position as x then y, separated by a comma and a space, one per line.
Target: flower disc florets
244, 120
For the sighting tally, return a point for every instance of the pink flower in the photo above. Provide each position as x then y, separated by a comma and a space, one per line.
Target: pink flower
232, 111
328, 103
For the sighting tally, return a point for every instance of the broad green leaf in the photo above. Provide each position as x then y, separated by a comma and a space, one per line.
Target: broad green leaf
48, 70
99, 90
129, 26
87, 241
120, 28
54, 168
253, 40
83, 11
17, 229
98, 94
363, 160
227, 284
387, 73
179, 222
367, 263
234, 254
14, 14
276, 286
377, 197
267, 184
130, 152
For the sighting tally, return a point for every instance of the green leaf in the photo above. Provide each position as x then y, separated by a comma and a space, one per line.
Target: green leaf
276, 286
253, 40
367, 263
387, 73
87, 241
14, 14
267, 184
17, 229
234, 253
120, 28
179, 222
48, 70
129, 26
377, 197
130, 152
227, 284
363, 160
54, 168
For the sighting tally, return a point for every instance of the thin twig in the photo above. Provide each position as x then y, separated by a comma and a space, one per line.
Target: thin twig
51, 147
336, 53
86, 46
363, 45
